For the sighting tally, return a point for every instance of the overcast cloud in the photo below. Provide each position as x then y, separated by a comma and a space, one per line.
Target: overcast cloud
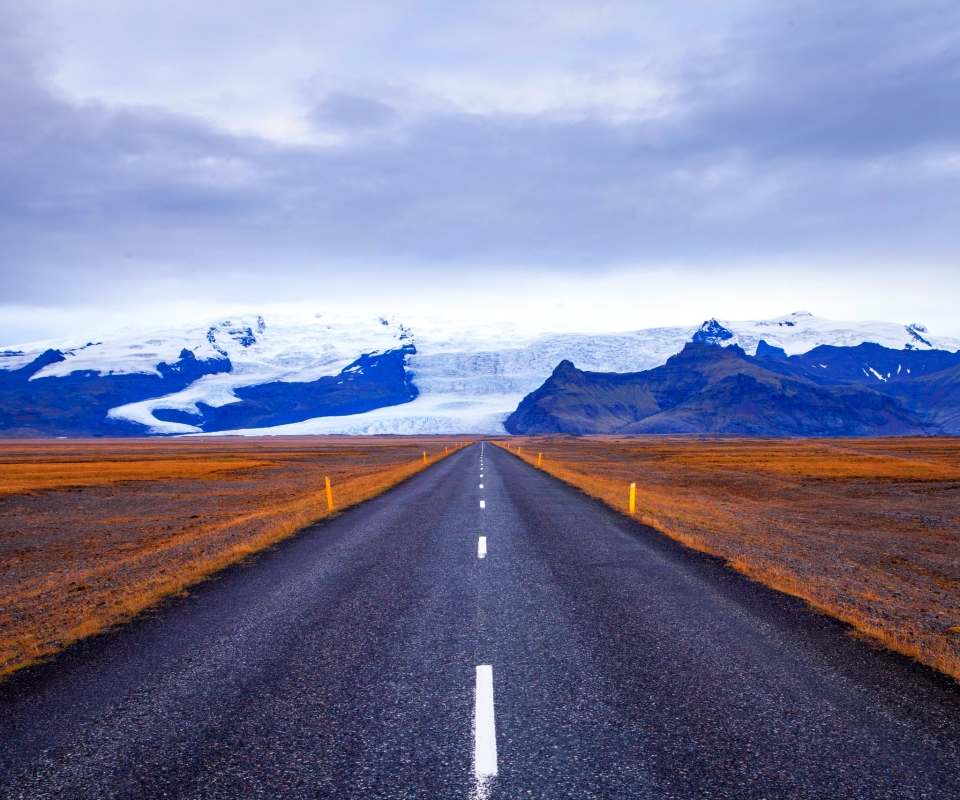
237, 153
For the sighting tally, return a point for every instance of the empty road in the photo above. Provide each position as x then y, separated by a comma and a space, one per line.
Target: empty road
481, 631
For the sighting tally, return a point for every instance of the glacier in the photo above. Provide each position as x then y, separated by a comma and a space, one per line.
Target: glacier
470, 373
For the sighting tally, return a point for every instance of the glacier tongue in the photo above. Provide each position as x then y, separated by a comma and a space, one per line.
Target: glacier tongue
471, 375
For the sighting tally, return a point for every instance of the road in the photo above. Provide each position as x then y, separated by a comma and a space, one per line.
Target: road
377, 655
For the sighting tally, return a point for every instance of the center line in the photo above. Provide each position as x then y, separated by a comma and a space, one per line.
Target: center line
481, 485
482, 547
482, 504
485, 742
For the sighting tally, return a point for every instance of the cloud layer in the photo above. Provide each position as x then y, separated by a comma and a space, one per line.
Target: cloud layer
553, 139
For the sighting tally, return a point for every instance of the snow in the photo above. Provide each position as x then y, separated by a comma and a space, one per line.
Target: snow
424, 415
471, 373
800, 332
288, 348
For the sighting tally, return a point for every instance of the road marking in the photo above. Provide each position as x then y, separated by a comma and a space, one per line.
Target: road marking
482, 504
481, 485
485, 732
482, 547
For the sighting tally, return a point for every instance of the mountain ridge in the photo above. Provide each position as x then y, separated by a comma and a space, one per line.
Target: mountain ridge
711, 389
469, 375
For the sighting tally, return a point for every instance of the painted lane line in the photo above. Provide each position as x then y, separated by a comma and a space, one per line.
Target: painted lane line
482, 504
485, 732
481, 485
482, 547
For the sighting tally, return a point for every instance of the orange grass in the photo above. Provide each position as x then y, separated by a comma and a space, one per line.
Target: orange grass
94, 533
865, 530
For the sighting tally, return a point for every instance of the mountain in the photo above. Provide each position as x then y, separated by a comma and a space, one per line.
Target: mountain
289, 374
937, 398
79, 403
713, 389
925, 381
229, 374
869, 364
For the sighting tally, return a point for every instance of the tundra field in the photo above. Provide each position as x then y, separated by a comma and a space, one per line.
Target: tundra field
867, 531
92, 532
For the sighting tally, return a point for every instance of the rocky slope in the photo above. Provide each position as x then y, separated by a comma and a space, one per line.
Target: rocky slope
712, 389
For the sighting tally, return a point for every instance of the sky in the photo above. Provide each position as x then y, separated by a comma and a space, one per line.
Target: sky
572, 165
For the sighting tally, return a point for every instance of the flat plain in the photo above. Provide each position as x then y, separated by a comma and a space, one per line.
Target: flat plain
866, 530
344, 662
93, 532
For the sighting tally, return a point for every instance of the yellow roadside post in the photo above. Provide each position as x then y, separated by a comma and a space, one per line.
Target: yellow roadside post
329, 495
446, 451
633, 497
518, 449
539, 459
424, 458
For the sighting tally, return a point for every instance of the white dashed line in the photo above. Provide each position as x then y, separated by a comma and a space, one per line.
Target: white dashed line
482, 547
481, 485
482, 504
485, 732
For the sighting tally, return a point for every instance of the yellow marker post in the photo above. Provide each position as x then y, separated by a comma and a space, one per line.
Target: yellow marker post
539, 459
424, 458
633, 497
446, 451
518, 449
329, 495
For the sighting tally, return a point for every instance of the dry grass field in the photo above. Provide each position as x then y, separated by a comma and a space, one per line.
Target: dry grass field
92, 532
865, 530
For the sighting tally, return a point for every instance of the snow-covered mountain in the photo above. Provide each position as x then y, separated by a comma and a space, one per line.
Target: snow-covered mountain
466, 376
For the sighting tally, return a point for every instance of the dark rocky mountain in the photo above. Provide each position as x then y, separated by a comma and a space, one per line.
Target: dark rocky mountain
713, 389
936, 398
868, 364
77, 404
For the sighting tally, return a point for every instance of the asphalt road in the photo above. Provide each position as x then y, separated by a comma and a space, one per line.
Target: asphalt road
344, 664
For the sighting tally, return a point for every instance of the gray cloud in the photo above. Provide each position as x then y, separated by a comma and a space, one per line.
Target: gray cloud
351, 112
813, 129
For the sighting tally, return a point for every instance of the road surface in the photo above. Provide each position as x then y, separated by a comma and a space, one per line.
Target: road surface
392, 652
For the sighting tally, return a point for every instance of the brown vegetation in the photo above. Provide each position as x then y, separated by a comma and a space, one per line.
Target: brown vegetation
865, 530
92, 532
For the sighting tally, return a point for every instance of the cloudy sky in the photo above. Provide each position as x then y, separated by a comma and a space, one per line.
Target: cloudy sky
581, 164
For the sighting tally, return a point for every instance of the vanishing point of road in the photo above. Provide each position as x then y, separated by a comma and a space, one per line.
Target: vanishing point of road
480, 631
